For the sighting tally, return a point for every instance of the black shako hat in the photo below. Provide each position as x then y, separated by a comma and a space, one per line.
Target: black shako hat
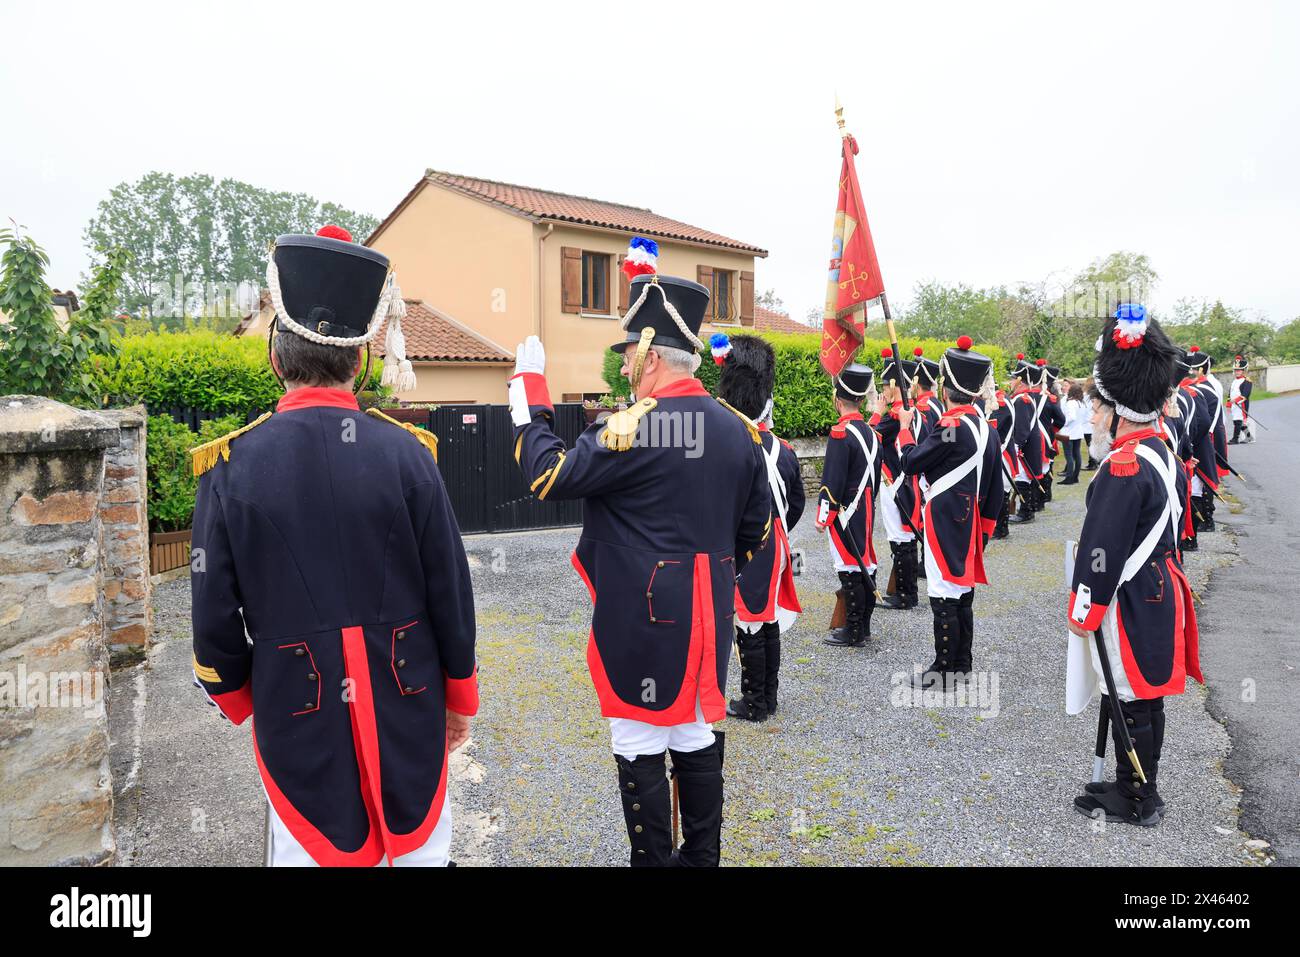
1024, 369
329, 286
1135, 364
1195, 359
748, 374
890, 371
1240, 364
927, 370
650, 294
853, 382
965, 370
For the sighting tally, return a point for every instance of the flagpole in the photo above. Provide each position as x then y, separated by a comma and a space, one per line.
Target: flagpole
903, 384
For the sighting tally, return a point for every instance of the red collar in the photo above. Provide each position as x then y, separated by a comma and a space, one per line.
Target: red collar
679, 388
313, 396
850, 417
1035, 390
960, 410
762, 427
1143, 433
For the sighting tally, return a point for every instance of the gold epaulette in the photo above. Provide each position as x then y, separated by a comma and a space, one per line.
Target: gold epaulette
427, 438
749, 423
620, 428
203, 457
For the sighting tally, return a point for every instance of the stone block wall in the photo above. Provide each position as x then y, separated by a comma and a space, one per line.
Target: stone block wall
71, 554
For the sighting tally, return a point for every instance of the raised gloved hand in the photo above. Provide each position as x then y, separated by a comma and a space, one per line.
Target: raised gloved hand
530, 356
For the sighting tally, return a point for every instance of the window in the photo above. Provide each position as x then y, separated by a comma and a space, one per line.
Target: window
595, 282
723, 296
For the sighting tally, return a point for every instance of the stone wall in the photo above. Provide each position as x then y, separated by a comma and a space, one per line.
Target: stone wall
64, 546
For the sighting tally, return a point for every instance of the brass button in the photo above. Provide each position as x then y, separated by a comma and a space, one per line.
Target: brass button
652, 618
409, 690
661, 564
639, 851
401, 662
636, 807
631, 785
638, 829
312, 676
300, 651
401, 636
310, 706
649, 594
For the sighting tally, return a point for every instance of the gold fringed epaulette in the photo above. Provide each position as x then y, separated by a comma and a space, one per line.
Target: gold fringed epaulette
620, 428
426, 438
203, 457
749, 423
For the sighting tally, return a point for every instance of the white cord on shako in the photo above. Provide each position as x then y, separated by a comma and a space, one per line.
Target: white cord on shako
398, 371
685, 330
988, 389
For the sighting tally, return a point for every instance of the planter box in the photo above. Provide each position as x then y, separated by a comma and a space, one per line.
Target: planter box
168, 550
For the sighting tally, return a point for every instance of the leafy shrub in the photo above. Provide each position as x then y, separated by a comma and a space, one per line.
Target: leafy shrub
171, 479
803, 401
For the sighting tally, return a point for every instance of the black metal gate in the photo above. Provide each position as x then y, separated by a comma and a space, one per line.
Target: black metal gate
477, 461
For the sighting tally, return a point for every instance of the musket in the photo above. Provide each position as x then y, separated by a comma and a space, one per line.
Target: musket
1213, 491
1116, 714
1224, 462
1103, 732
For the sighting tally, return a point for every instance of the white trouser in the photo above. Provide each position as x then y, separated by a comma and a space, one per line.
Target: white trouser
1198, 487
838, 560
1110, 635
935, 586
630, 737
895, 530
436, 851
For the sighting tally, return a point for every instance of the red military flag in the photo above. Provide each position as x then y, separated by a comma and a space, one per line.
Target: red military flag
854, 279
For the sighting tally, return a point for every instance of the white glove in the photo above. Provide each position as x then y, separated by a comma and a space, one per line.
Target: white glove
530, 356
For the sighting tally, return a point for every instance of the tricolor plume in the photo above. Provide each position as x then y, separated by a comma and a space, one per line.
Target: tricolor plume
719, 345
1130, 325
642, 257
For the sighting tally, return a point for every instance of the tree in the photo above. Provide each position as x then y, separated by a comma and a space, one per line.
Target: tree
1286, 342
1219, 330
38, 357
193, 240
770, 300
995, 315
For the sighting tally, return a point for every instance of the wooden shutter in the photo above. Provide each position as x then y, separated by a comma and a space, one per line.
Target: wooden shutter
624, 289
746, 298
570, 279
704, 276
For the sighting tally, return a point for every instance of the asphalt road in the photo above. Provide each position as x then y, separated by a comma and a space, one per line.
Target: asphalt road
1252, 661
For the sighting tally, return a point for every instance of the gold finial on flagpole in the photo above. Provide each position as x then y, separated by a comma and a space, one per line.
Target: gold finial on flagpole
839, 115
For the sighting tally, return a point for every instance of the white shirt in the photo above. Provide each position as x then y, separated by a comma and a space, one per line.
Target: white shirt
1076, 419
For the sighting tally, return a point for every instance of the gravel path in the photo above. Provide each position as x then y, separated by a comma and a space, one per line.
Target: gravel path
842, 775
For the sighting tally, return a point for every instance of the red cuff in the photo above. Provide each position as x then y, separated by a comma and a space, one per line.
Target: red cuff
874, 420
236, 705
988, 524
905, 438
1095, 614
462, 694
535, 389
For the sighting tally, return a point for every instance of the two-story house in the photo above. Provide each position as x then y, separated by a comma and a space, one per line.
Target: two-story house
490, 263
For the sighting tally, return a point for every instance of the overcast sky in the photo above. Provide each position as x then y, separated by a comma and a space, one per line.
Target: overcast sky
1001, 141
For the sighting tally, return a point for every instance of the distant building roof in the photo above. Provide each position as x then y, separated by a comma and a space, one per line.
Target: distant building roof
546, 204
768, 320
433, 336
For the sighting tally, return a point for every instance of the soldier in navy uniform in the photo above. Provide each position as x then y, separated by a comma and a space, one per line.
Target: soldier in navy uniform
1052, 421
960, 461
1208, 436
331, 594
766, 601
900, 498
1026, 447
1138, 597
846, 504
1239, 402
666, 530
926, 388
1000, 417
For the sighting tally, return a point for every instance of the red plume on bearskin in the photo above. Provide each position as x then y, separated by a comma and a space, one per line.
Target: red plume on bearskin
749, 375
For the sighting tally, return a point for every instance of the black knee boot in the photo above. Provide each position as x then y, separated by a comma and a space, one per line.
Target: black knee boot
1000, 530
904, 595
752, 703
1129, 801
1047, 483
1207, 509
772, 639
964, 662
1157, 707
699, 786
853, 634
947, 639
1025, 513
643, 786
1036, 496
1236, 433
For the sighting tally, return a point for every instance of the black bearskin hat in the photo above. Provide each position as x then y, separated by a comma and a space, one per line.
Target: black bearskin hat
748, 375
1135, 364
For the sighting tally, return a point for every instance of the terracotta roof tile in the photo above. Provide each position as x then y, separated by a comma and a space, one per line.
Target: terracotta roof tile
566, 207
767, 320
433, 336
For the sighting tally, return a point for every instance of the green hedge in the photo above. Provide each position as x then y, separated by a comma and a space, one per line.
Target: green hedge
803, 403
201, 370
172, 482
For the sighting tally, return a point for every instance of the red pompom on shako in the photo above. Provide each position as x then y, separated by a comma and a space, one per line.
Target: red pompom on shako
334, 232
1194, 349
1040, 362
1020, 355
918, 352
886, 353
964, 342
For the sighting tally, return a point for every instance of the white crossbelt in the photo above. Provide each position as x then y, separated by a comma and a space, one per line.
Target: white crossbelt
847, 513
1172, 511
980, 429
774, 480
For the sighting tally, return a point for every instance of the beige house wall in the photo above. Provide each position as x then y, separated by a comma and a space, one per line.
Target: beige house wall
460, 382
466, 258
